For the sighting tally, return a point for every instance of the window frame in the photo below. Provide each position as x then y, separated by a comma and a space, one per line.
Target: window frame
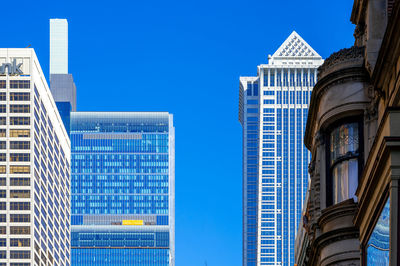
329, 166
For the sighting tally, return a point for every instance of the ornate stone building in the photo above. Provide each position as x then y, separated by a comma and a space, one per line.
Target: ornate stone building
351, 212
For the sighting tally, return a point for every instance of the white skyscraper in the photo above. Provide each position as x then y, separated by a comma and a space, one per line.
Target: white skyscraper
34, 166
273, 109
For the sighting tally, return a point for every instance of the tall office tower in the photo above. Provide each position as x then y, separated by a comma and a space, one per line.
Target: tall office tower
61, 82
34, 166
123, 194
273, 112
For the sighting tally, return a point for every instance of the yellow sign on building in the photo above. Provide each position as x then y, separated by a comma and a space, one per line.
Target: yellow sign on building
132, 222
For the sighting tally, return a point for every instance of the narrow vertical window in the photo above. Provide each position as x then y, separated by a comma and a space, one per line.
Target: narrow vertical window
272, 80
265, 77
278, 79
249, 88
255, 89
344, 155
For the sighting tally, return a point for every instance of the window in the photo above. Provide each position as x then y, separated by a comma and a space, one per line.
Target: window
249, 88
2, 108
20, 206
19, 84
20, 96
20, 181
3, 193
2, 157
3, 96
378, 245
3, 121
20, 133
344, 162
20, 194
19, 121
3, 230
255, 89
2, 145
20, 230
19, 145
3, 206
19, 108
20, 242
2, 84
20, 254
20, 218
2, 133
265, 77
19, 157
20, 169
272, 80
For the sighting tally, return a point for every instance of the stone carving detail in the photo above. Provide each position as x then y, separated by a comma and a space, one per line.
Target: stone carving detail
359, 35
354, 53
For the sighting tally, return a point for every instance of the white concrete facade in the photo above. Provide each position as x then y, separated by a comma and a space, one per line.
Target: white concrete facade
34, 167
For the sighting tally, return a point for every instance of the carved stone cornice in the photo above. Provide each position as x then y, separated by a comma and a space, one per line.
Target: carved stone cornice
344, 58
336, 72
345, 208
325, 239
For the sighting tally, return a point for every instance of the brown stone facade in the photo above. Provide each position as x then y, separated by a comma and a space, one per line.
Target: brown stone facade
357, 86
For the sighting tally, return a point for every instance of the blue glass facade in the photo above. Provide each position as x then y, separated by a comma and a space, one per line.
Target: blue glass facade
378, 246
64, 108
122, 186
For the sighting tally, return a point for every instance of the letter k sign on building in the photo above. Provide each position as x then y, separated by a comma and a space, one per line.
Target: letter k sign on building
12, 68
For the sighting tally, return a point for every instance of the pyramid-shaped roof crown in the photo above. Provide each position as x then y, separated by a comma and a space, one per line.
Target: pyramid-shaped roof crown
295, 46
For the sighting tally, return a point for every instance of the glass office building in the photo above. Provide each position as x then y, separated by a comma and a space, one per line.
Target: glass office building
273, 109
34, 166
122, 169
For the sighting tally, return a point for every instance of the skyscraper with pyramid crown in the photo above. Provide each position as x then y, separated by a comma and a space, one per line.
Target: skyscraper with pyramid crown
273, 110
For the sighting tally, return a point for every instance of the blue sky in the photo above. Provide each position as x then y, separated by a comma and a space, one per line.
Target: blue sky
184, 57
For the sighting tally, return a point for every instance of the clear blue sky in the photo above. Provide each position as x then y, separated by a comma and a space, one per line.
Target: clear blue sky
184, 57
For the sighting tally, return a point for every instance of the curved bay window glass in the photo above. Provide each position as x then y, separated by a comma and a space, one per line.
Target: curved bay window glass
378, 243
344, 161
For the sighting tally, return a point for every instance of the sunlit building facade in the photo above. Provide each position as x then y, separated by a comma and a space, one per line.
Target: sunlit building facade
273, 109
62, 83
122, 188
34, 166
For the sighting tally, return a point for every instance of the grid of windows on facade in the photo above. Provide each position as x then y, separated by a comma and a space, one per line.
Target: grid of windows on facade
120, 256
52, 194
251, 168
289, 77
43, 176
284, 166
120, 177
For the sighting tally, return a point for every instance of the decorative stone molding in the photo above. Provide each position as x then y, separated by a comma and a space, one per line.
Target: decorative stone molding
334, 212
345, 58
359, 34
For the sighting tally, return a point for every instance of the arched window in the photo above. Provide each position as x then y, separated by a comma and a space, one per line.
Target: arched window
344, 161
